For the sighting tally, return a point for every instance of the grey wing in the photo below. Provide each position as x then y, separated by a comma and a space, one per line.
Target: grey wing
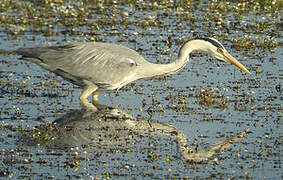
109, 66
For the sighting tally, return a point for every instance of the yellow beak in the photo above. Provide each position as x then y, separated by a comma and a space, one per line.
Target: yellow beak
235, 62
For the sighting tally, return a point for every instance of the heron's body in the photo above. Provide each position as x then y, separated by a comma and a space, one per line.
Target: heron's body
84, 63
98, 66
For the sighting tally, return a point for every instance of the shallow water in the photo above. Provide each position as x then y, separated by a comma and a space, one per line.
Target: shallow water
208, 101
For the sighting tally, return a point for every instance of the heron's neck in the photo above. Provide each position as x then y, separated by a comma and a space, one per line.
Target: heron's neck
183, 58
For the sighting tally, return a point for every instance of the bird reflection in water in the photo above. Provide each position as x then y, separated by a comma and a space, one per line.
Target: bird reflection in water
111, 130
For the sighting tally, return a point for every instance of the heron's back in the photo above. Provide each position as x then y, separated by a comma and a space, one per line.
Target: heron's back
107, 65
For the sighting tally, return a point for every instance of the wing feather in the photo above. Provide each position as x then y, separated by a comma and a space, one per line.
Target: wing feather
109, 65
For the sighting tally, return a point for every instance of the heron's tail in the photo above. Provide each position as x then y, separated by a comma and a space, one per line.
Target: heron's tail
28, 53
34, 55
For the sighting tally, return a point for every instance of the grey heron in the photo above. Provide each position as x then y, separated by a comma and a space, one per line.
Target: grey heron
97, 66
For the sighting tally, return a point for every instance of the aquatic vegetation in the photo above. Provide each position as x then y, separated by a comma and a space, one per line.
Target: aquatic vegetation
252, 43
209, 97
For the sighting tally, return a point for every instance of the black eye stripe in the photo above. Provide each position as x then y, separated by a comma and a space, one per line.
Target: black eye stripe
212, 41
220, 50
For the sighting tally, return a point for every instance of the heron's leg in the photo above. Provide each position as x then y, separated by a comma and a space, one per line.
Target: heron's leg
95, 97
87, 91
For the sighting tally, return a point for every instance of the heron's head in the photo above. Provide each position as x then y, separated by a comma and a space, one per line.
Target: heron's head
216, 49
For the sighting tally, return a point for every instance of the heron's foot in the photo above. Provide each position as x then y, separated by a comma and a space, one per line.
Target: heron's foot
88, 106
95, 97
88, 90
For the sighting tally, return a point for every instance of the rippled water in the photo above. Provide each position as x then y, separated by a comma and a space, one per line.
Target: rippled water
208, 101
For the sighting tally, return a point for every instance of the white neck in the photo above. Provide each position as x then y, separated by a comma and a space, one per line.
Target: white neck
161, 69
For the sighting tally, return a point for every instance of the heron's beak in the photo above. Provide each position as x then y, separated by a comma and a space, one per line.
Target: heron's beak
232, 60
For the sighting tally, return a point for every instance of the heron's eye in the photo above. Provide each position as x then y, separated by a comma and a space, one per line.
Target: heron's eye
220, 50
